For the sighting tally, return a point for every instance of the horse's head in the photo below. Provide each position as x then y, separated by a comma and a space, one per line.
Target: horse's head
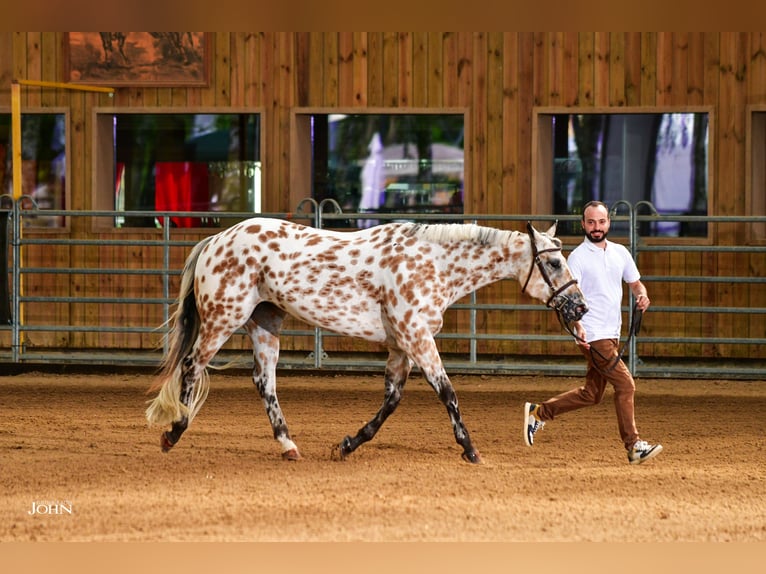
553, 281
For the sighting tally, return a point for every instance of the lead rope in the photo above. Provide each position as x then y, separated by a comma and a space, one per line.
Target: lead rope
635, 327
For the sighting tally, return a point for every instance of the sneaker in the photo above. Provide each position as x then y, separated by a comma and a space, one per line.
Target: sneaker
531, 423
643, 451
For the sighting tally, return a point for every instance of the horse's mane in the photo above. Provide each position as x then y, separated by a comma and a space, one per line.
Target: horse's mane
447, 232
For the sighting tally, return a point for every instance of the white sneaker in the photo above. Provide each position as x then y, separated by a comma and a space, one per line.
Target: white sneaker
643, 451
531, 424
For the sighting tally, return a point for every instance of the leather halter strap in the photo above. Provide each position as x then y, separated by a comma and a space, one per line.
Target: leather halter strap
537, 261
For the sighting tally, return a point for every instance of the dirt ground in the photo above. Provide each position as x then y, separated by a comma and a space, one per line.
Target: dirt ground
76, 448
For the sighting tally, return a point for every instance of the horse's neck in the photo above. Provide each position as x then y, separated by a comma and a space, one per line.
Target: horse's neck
476, 265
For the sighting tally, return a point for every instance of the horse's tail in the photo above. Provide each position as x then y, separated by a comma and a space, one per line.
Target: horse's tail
167, 407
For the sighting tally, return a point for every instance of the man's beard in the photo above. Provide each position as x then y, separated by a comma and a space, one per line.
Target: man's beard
599, 240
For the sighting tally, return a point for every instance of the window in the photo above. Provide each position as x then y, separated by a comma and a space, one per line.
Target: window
385, 163
200, 162
43, 164
661, 158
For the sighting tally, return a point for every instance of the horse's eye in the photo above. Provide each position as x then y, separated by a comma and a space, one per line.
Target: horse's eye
555, 263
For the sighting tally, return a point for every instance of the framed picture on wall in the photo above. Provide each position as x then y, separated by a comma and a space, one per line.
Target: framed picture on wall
137, 58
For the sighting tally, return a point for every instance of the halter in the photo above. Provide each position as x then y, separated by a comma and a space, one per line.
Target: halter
537, 261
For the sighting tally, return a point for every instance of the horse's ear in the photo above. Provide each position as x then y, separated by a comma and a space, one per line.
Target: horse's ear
552, 230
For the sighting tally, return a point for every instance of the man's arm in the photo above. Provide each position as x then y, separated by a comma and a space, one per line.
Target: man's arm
639, 292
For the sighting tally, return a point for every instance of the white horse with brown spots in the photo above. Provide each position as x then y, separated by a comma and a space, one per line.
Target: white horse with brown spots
389, 284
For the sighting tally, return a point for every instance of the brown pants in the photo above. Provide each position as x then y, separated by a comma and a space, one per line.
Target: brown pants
593, 391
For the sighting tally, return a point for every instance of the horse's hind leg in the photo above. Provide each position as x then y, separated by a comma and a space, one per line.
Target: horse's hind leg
191, 373
263, 328
397, 370
193, 383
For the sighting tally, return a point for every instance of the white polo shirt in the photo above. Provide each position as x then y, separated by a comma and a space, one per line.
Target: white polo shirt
600, 273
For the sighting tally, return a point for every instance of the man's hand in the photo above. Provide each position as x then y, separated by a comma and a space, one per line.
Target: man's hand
580, 335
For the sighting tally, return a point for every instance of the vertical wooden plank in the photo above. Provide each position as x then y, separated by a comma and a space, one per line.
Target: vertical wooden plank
587, 68
450, 67
219, 93
360, 68
617, 69
570, 71
404, 70
420, 71
6, 66
32, 95
664, 68
649, 86
390, 67
555, 68
540, 94
680, 81
494, 121
479, 125
331, 69
465, 69
695, 69
511, 126
268, 82
252, 71
237, 65
19, 54
50, 43
345, 68
633, 69
524, 131
435, 69
375, 70
302, 67
712, 79
601, 70
285, 80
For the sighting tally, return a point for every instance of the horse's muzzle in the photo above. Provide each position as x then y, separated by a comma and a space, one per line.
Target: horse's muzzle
571, 308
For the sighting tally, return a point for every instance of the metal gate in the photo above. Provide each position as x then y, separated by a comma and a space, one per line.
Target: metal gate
328, 214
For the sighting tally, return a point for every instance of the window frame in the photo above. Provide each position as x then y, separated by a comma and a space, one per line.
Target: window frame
103, 155
66, 112
300, 142
542, 158
755, 171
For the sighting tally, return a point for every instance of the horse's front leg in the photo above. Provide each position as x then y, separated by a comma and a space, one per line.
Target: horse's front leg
263, 328
427, 357
397, 370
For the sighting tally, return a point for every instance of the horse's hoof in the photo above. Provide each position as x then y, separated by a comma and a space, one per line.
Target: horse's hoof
472, 457
342, 450
291, 454
165, 443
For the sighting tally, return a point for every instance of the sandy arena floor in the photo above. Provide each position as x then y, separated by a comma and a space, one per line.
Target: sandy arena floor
80, 441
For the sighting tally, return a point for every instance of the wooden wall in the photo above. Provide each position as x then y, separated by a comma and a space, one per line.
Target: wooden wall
500, 78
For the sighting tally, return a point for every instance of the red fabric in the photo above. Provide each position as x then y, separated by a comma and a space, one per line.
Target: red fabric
181, 186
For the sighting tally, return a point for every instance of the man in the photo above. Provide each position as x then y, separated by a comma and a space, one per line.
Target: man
600, 266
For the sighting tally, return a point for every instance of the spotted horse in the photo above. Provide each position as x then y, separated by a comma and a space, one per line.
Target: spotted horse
389, 284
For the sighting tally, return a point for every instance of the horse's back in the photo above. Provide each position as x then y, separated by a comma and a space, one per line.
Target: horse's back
332, 279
